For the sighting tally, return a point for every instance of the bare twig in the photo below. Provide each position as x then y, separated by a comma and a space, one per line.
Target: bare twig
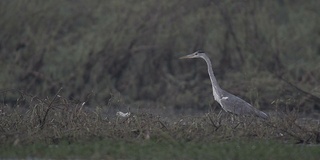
213, 124
230, 29
314, 97
49, 108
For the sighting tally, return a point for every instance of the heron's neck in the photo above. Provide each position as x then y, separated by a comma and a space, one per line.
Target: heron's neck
215, 86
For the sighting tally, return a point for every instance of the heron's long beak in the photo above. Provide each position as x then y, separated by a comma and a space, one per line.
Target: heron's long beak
187, 56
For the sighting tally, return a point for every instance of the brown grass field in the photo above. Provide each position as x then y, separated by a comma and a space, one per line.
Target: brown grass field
75, 130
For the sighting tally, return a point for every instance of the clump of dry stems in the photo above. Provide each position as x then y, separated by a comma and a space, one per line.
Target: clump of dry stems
56, 119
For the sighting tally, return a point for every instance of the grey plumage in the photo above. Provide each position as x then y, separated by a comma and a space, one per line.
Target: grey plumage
229, 102
238, 106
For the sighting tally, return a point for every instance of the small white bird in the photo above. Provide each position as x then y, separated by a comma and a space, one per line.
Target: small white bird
123, 115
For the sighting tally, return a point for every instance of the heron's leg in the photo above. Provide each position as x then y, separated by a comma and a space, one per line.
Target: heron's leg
219, 114
235, 120
219, 117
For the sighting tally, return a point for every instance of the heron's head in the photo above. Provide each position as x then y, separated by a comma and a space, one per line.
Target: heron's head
197, 54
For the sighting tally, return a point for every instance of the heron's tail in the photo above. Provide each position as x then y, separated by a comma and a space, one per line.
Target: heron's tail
261, 114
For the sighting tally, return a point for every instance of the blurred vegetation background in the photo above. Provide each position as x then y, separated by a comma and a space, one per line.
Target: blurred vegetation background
124, 53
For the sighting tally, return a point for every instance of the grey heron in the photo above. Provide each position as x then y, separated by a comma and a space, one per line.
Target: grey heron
228, 102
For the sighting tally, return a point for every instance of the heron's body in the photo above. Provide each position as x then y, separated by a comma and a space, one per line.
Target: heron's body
229, 102
236, 105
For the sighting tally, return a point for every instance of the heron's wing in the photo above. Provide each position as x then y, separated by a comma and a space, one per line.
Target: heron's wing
236, 105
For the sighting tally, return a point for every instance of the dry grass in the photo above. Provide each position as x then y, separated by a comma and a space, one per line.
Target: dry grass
56, 119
